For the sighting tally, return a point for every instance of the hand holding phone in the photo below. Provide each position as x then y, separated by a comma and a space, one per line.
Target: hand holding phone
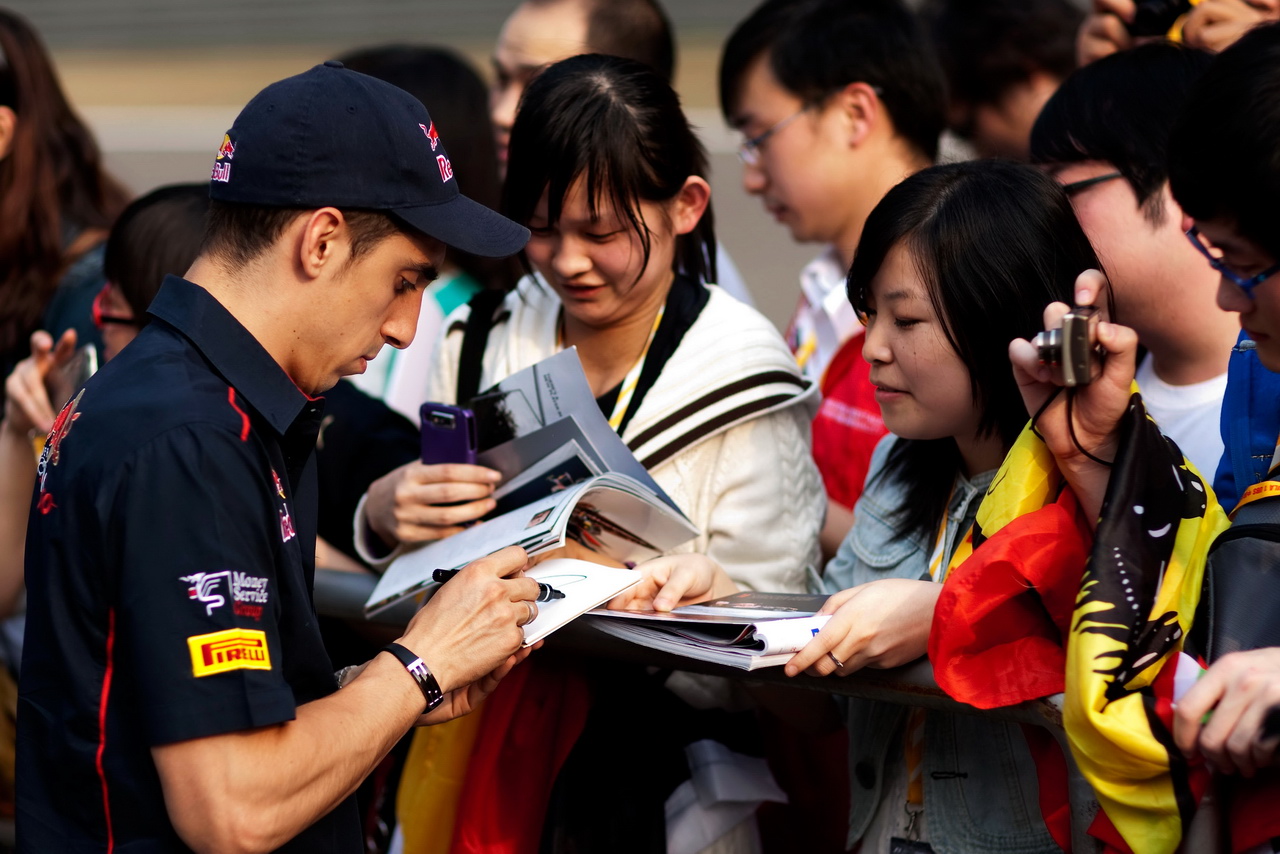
448, 434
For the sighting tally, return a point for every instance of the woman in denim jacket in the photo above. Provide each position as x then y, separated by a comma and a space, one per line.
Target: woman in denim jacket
953, 264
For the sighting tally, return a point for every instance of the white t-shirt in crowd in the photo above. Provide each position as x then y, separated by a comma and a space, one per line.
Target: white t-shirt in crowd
1190, 415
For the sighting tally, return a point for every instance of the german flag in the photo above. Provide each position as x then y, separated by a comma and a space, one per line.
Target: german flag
1137, 598
1003, 607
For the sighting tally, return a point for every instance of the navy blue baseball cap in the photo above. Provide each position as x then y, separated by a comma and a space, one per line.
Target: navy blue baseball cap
333, 137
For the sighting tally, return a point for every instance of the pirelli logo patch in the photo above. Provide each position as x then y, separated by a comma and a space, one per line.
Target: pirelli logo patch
233, 649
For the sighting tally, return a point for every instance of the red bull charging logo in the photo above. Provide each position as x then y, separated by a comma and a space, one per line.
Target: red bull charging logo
222, 164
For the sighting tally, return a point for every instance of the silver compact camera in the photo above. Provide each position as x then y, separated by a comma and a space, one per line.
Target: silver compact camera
1072, 351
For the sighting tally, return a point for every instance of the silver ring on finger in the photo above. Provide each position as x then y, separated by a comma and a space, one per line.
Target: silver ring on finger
837, 662
533, 612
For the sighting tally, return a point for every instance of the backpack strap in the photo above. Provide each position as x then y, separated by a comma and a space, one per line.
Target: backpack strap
475, 338
1238, 601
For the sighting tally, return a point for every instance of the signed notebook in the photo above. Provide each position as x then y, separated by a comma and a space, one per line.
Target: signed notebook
585, 586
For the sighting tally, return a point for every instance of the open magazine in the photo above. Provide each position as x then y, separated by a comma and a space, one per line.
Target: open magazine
746, 630
543, 431
611, 514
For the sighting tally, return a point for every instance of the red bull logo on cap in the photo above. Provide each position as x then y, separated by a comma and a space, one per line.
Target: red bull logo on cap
228, 148
432, 136
221, 164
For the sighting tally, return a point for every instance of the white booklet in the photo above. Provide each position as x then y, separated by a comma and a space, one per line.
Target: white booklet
611, 514
746, 630
585, 585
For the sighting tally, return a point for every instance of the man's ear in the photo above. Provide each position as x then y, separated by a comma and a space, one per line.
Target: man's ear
323, 241
1173, 210
690, 204
8, 126
861, 109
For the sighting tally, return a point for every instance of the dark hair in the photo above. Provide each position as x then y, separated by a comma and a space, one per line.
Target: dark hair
237, 233
1121, 110
989, 46
995, 242
632, 29
817, 47
458, 101
157, 235
52, 184
1224, 152
619, 125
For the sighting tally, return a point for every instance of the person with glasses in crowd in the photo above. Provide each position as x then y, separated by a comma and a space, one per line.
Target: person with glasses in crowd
1225, 176
837, 102
1105, 136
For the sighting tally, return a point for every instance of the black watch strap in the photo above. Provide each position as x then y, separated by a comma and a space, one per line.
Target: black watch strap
421, 674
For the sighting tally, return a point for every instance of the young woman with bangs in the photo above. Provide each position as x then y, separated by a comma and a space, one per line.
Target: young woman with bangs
609, 177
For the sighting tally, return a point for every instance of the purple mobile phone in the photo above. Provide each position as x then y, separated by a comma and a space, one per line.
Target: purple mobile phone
448, 434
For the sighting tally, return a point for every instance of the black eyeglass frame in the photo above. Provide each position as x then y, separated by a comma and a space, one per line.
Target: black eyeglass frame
1085, 183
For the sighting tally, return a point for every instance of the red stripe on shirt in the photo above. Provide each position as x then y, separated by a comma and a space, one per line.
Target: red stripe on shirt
244, 417
102, 727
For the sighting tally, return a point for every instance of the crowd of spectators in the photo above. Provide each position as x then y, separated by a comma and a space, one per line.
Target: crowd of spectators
906, 448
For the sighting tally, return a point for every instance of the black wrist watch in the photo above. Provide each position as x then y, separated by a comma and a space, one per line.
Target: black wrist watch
421, 674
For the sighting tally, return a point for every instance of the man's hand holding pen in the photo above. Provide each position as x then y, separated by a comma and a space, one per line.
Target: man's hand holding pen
546, 593
469, 634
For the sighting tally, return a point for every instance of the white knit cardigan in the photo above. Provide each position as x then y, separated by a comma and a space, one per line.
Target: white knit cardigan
725, 428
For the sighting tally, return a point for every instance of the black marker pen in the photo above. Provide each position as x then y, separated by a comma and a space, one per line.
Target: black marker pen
546, 593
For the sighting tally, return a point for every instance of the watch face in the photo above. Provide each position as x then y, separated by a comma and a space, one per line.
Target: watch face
432, 692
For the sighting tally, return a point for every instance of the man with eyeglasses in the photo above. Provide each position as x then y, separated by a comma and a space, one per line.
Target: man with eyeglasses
1225, 175
837, 103
1105, 134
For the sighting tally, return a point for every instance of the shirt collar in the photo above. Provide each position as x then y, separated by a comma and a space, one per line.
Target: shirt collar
823, 283
231, 349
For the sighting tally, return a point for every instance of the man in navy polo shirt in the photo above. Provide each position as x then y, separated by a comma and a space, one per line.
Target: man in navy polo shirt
175, 693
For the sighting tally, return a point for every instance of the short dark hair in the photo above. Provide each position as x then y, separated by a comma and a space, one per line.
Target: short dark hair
458, 100
1224, 153
157, 235
817, 47
995, 242
988, 46
618, 124
631, 29
238, 233
1121, 110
